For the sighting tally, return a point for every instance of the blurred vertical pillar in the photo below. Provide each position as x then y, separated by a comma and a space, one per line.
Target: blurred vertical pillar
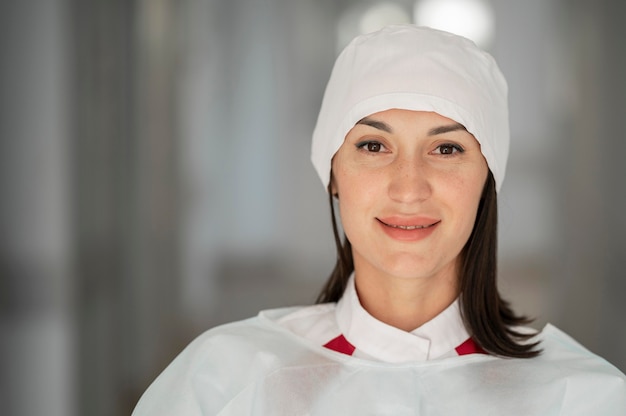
36, 325
154, 290
204, 136
592, 285
612, 183
125, 197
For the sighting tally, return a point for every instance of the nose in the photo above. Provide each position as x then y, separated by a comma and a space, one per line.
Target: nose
410, 180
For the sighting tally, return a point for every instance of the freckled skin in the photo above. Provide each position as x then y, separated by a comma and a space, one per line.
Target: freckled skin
409, 168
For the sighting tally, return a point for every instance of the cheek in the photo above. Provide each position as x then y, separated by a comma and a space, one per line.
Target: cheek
462, 190
358, 196
351, 195
468, 192
358, 189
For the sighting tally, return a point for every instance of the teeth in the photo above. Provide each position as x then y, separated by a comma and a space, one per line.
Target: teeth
409, 227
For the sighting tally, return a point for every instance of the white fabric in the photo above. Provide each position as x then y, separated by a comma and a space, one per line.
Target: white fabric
373, 339
414, 68
257, 367
315, 323
436, 338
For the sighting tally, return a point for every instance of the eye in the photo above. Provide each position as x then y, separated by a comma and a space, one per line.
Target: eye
371, 146
448, 149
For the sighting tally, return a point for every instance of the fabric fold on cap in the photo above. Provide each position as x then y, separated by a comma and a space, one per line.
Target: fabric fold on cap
420, 69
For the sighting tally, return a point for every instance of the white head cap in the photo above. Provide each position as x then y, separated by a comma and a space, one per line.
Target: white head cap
420, 69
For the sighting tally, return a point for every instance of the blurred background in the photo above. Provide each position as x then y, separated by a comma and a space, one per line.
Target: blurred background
155, 177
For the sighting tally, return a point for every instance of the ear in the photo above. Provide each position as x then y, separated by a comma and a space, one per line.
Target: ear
333, 190
332, 186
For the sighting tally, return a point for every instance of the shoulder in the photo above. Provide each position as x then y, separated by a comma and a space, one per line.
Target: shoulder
221, 363
565, 379
585, 380
561, 349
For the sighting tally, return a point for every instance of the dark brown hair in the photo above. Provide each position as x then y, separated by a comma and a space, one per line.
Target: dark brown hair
488, 318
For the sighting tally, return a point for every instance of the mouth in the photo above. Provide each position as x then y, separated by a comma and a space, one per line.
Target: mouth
408, 229
425, 223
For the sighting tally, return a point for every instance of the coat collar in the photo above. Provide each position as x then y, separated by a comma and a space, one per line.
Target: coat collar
374, 339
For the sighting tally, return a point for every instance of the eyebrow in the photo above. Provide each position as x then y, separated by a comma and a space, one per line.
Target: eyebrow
376, 124
446, 129
432, 132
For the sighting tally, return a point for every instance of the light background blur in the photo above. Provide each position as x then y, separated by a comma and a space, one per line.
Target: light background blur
155, 178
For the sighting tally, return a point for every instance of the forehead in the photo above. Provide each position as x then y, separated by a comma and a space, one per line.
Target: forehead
426, 122
404, 114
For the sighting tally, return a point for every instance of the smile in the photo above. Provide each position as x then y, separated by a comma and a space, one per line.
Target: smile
409, 227
408, 230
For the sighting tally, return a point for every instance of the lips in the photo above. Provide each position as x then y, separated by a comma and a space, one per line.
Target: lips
408, 223
408, 229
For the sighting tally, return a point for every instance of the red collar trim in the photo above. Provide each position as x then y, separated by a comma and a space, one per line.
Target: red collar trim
341, 344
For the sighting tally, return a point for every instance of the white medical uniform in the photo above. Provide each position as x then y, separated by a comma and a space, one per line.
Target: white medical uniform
336, 359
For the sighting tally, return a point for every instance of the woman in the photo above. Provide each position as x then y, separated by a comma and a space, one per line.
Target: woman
411, 143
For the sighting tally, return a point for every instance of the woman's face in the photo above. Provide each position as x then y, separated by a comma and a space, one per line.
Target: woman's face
408, 184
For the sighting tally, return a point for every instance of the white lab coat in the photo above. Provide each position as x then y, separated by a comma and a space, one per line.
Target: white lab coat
257, 367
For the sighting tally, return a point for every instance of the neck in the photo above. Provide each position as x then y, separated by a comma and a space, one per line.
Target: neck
405, 302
